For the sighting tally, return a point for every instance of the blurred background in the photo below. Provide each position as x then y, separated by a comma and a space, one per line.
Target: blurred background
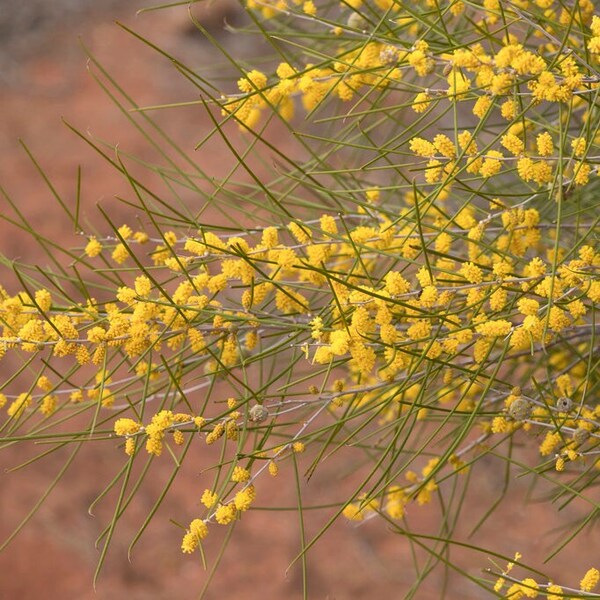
44, 79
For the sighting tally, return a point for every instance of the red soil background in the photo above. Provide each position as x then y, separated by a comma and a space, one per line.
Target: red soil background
44, 78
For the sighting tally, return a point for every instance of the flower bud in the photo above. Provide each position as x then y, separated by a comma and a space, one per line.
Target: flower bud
520, 409
581, 435
258, 413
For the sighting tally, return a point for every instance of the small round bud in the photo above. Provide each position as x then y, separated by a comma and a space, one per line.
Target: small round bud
258, 413
388, 55
581, 435
357, 21
520, 409
313, 389
564, 404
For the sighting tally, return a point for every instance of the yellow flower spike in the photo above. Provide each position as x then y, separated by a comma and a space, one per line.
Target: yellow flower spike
302, 234
240, 474
420, 59
197, 530
530, 588
579, 146
244, 498
44, 383
273, 468
491, 165
508, 109
472, 273
482, 106
209, 499
120, 254
590, 580
309, 8
373, 195
555, 592
125, 426
422, 147
254, 80
154, 445
125, 231
76, 396
582, 173
225, 513
93, 247
143, 286
353, 512
421, 102
513, 144
498, 328
48, 405
130, 446
43, 299
545, 145
141, 237
458, 85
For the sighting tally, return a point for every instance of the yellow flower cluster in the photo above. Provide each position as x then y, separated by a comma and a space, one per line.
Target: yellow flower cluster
197, 531
530, 588
494, 73
594, 42
400, 320
372, 66
412, 300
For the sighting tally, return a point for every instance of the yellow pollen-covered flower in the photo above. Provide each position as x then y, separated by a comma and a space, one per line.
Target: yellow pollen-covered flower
579, 145
43, 299
120, 254
125, 232
197, 531
240, 474
353, 512
254, 80
126, 426
491, 165
421, 102
513, 144
244, 498
482, 105
458, 84
422, 147
590, 580
93, 247
302, 234
508, 109
444, 145
545, 145
498, 328
209, 499
309, 8
225, 513
472, 273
